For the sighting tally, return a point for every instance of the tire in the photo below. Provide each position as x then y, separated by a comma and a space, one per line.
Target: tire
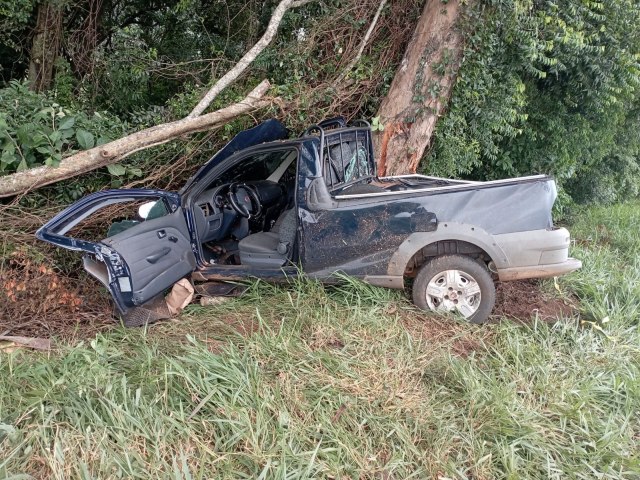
455, 283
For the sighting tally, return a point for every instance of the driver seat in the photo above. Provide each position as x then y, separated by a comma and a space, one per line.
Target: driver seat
272, 248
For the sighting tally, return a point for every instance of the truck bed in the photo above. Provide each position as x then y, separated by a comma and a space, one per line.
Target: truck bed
409, 184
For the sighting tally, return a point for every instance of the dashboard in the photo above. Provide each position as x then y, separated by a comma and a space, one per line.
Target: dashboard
215, 215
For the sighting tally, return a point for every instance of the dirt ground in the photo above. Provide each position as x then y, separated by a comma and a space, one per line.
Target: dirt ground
519, 301
524, 299
37, 301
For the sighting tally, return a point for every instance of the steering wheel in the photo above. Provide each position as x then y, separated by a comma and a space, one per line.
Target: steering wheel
248, 199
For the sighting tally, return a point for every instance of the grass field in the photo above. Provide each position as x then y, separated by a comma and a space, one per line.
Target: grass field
303, 382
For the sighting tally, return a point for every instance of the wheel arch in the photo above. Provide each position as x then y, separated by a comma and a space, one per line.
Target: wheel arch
450, 238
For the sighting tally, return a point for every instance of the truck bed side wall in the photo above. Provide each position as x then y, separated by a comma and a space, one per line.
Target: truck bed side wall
360, 236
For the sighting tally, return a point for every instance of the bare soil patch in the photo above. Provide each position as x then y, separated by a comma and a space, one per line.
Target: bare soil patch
519, 301
36, 301
524, 300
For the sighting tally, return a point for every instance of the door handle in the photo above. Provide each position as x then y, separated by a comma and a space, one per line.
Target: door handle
154, 257
161, 234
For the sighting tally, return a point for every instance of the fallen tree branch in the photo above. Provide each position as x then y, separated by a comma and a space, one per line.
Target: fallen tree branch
248, 57
363, 44
115, 151
86, 161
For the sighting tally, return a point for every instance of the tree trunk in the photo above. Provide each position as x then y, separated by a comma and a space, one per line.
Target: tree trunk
115, 151
420, 90
45, 46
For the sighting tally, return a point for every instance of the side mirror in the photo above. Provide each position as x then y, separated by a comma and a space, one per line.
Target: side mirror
145, 208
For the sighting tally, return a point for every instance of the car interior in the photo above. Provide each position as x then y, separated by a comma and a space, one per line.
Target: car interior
247, 216
348, 168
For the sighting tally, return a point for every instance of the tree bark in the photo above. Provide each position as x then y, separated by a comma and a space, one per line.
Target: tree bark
420, 90
45, 46
115, 151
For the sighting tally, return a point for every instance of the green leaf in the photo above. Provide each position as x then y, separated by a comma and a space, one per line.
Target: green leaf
66, 134
7, 158
53, 160
44, 150
22, 166
55, 136
116, 170
85, 139
66, 122
9, 148
38, 139
24, 134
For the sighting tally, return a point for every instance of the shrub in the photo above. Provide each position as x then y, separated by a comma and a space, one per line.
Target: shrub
546, 87
36, 130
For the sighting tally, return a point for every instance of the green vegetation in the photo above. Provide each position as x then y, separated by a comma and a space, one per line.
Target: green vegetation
38, 131
547, 87
544, 87
139, 64
349, 382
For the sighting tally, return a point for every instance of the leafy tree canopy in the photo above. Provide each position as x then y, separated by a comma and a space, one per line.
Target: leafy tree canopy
547, 87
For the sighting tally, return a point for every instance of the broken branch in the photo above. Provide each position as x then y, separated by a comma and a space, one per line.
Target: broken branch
363, 44
115, 151
248, 57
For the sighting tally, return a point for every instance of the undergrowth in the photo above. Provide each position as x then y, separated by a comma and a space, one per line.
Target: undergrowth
305, 381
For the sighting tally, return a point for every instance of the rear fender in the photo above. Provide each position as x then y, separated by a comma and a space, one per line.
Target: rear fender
446, 231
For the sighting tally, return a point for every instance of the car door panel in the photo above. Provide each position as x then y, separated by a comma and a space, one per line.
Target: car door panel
157, 252
360, 239
137, 263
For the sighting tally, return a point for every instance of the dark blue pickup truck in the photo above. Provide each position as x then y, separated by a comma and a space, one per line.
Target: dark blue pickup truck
270, 207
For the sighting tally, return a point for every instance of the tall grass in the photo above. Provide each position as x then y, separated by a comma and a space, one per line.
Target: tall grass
347, 382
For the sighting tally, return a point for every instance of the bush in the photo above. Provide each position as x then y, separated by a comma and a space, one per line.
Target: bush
546, 87
38, 131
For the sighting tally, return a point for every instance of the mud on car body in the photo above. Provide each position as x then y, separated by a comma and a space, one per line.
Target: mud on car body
270, 207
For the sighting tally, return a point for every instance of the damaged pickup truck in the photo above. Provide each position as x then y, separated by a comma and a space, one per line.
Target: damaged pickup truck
270, 207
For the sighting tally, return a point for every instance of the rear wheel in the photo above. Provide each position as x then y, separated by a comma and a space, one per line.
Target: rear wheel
458, 284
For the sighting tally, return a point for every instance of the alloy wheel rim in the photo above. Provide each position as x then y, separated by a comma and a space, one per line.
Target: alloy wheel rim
454, 291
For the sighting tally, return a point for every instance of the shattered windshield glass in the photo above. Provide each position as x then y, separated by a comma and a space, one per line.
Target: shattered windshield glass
347, 157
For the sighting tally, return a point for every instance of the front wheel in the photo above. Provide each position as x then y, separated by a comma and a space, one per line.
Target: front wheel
455, 283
